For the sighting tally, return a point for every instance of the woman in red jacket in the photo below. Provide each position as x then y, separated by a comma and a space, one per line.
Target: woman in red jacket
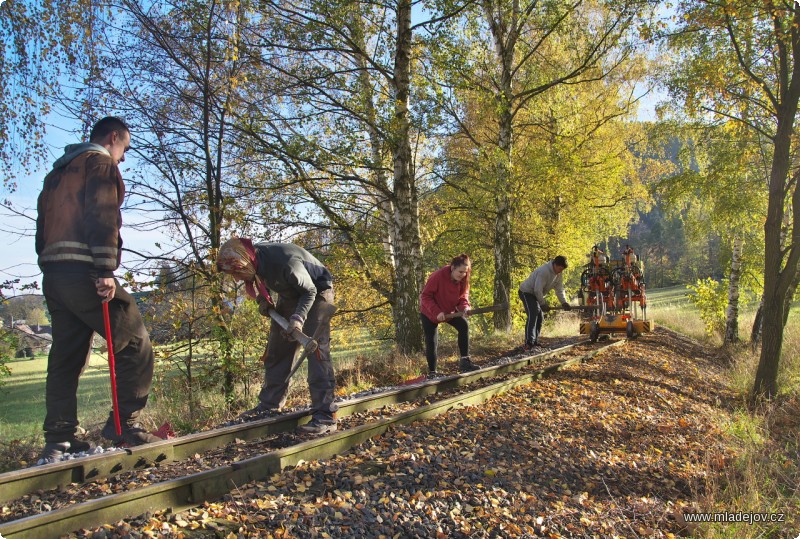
447, 291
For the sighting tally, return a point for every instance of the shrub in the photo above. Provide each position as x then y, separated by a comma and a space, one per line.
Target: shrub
8, 342
710, 298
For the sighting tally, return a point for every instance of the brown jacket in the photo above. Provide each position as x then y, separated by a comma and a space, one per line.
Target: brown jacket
79, 215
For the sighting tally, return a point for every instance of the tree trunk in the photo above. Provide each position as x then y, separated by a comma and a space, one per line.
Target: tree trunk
787, 305
755, 332
776, 282
408, 267
504, 28
190, 354
383, 200
503, 260
732, 311
503, 246
222, 334
766, 382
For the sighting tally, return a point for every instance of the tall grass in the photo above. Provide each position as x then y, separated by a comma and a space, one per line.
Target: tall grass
764, 476
670, 307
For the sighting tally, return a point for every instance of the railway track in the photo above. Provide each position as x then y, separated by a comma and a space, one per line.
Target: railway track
187, 491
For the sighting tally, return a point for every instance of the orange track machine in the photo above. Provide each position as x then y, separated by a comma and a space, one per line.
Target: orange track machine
616, 290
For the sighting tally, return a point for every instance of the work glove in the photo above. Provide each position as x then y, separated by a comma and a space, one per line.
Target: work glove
544, 306
295, 323
264, 305
566, 306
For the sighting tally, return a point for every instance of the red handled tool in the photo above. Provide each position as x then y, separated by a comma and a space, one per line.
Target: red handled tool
112, 368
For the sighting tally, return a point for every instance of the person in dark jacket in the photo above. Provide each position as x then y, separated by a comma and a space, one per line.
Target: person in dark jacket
447, 292
79, 245
302, 284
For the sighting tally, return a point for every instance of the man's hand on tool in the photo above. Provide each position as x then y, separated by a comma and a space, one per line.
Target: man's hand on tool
566, 306
295, 323
263, 305
106, 288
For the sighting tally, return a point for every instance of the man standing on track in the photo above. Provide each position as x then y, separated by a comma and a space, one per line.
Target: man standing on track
79, 248
532, 291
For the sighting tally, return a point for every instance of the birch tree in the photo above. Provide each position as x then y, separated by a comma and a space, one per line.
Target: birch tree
173, 71
345, 135
720, 191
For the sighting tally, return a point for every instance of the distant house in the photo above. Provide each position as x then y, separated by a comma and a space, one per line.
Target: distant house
20, 325
30, 342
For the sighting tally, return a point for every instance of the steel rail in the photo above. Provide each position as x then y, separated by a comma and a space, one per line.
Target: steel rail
190, 491
18, 483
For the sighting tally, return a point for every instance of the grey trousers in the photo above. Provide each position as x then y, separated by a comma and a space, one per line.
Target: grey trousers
76, 314
281, 352
533, 323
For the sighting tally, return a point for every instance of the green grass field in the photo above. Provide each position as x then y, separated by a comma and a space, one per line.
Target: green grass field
673, 295
671, 307
22, 399
22, 409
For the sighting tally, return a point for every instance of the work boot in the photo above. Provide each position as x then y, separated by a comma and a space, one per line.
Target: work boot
318, 426
132, 433
54, 451
433, 375
465, 364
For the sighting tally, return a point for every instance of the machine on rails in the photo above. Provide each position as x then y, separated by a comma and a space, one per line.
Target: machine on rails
613, 295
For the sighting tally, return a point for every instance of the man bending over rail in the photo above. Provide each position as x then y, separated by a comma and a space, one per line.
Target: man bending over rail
303, 284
